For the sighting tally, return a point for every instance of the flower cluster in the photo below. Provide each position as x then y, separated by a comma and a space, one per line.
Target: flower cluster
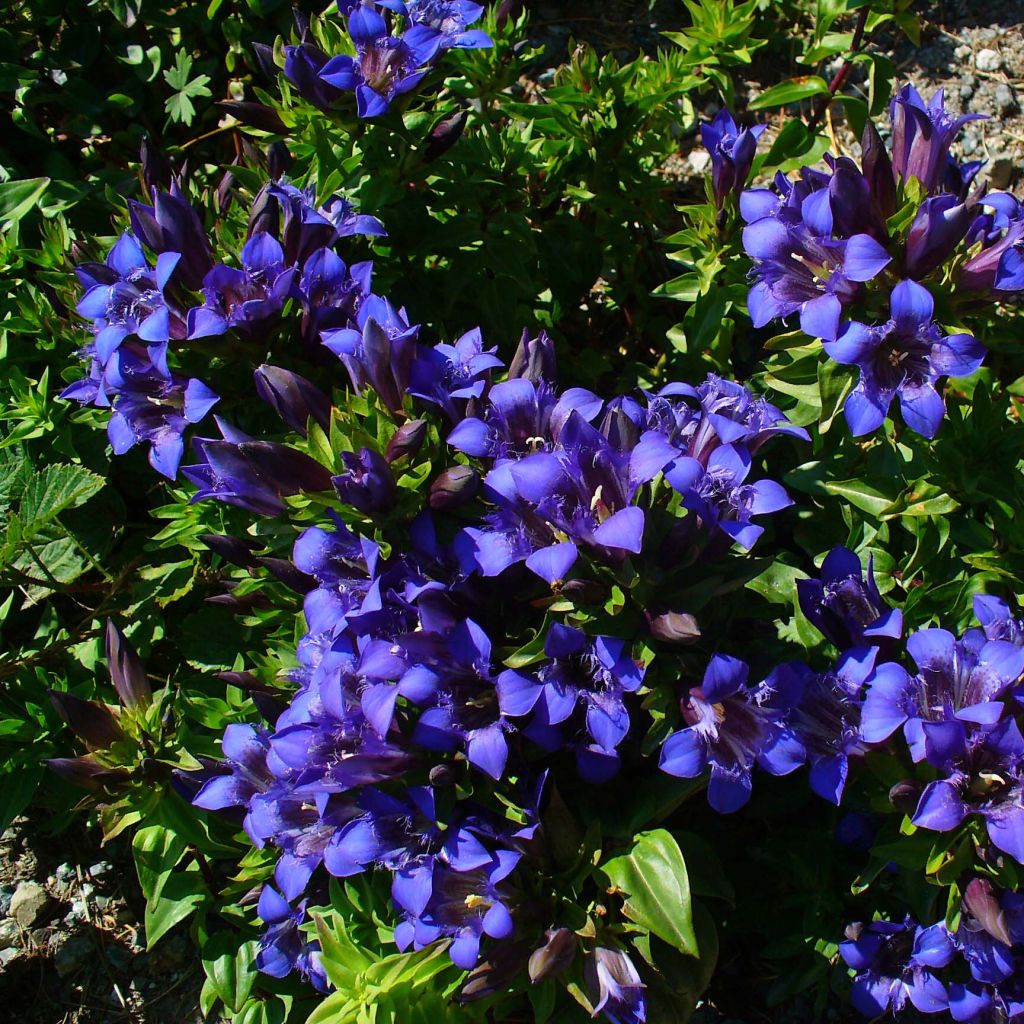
824, 247
395, 45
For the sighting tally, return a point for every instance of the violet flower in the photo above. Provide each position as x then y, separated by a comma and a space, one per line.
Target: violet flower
615, 986
448, 20
450, 376
171, 225
732, 152
903, 358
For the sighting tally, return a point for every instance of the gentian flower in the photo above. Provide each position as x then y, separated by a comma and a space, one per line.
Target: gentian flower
922, 133
385, 67
378, 352
991, 922
367, 484
845, 605
534, 359
171, 225
448, 20
252, 474
449, 376
903, 358
826, 719
151, 407
894, 962
799, 268
999, 266
997, 621
958, 682
615, 986
331, 292
592, 673
731, 727
283, 947
125, 296
985, 776
302, 66
732, 152
937, 229
247, 300
295, 399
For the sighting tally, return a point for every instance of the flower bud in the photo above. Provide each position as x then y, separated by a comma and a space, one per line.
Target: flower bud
264, 55
982, 902
255, 115
408, 440
454, 487
236, 550
155, 169
905, 795
126, 670
293, 578
675, 628
446, 774
584, 591
444, 135
91, 721
940, 224
292, 397
534, 359
554, 957
367, 484
279, 159
877, 168
85, 772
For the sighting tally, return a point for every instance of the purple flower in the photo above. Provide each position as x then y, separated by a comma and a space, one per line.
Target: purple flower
615, 986
252, 474
719, 494
985, 776
302, 66
385, 67
171, 225
845, 604
151, 407
997, 621
379, 354
826, 719
798, 267
999, 266
534, 359
450, 376
922, 133
894, 964
125, 296
295, 399
447, 20
731, 727
331, 292
991, 921
283, 947
594, 674
959, 682
367, 484
938, 228
903, 358
732, 152
247, 300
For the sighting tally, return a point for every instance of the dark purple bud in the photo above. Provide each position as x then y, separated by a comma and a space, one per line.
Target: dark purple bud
152, 770
245, 680
535, 359
367, 484
236, 550
408, 440
982, 902
126, 670
905, 795
264, 55
495, 974
877, 169
240, 605
285, 571
507, 9
584, 591
454, 487
554, 957
265, 213
302, 67
292, 397
92, 722
444, 135
269, 707
155, 169
938, 228
255, 115
225, 191
279, 159
675, 628
447, 774
85, 772
172, 225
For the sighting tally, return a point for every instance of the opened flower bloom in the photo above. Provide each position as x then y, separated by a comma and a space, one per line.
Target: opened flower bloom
903, 358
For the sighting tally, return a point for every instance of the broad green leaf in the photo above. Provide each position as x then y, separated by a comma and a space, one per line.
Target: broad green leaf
653, 881
791, 91
179, 896
229, 968
19, 197
157, 851
16, 792
862, 495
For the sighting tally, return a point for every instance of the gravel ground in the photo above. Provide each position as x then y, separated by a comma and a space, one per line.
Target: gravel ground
72, 949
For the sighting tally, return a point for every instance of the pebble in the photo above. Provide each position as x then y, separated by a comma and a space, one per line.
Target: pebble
987, 60
8, 934
64, 873
30, 904
6, 892
100, 868
1000, 172
73, 955
1005, 101
7, 955
699, 160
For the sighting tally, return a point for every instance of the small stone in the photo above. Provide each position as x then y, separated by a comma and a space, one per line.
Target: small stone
1005, 101
962, 51
1000, 173
41, 936
101, 902
699, 160
8, 934
64, 873
6, 892
7, 955
987, 60
100, 868
30, 904
73, 955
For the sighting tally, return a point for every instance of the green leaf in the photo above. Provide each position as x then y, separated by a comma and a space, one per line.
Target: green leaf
181, 893
16, 792
157, 851
791, 91
653, 880
863, 495
229, 968
19, 197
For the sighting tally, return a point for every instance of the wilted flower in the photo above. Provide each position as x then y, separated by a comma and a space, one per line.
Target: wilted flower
615, 986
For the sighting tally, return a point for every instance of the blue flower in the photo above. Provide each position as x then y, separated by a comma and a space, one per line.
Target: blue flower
732, 152
615, 986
